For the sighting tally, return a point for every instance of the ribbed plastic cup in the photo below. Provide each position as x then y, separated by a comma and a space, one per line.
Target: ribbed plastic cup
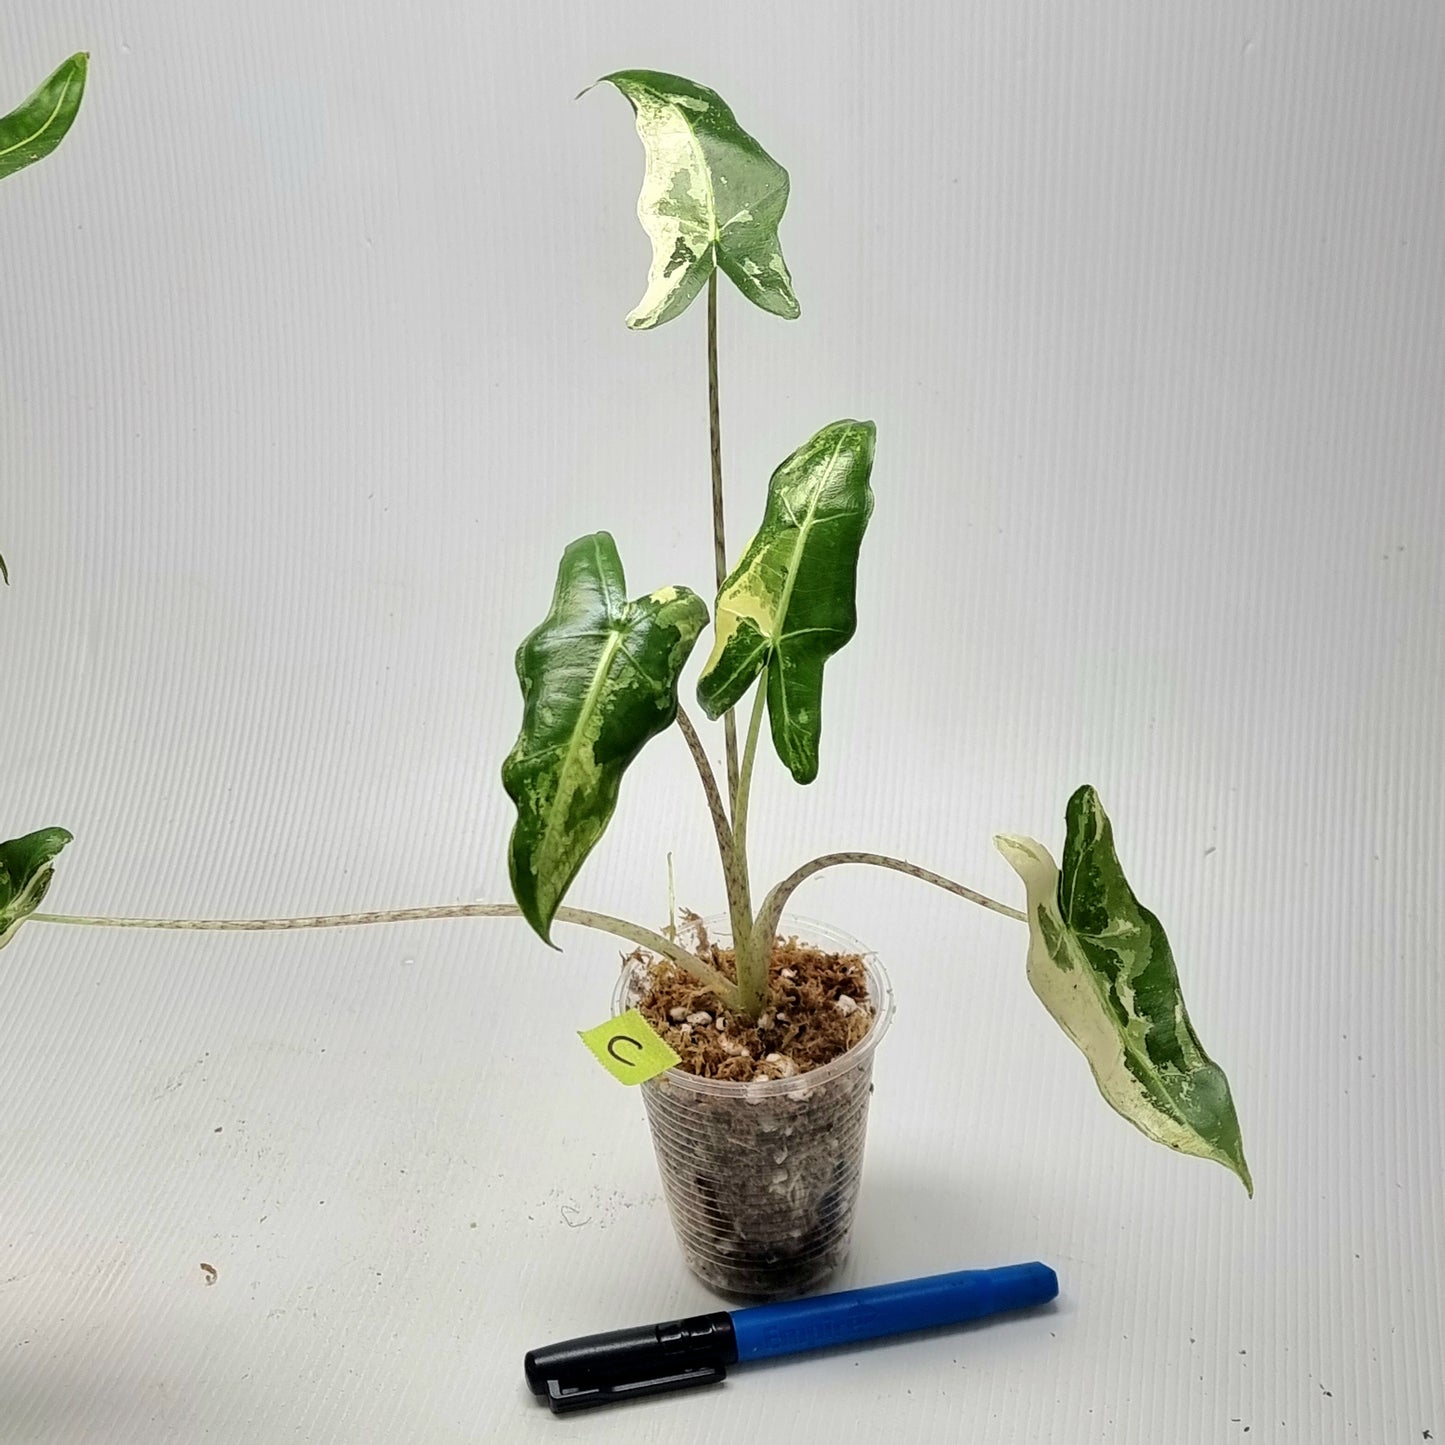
761, 1178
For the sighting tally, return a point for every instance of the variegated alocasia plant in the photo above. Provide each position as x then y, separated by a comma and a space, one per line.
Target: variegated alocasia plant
712, 199
35, 127
600, 677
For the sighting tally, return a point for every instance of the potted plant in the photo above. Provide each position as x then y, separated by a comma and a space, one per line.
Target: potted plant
769, 1025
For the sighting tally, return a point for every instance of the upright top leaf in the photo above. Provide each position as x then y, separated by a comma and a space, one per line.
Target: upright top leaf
711, 195
34, 128
599, 678
1100, 963
25, 873
790, 603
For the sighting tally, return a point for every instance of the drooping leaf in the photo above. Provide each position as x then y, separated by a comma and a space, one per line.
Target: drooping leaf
599, 678
35, 127
791, 602
25, 873
1100, 963
711, 195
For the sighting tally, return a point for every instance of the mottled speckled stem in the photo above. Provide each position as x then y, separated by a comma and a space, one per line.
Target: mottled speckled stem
751, 963
715, 807
605, 923
776, 901
735, 881
719, 538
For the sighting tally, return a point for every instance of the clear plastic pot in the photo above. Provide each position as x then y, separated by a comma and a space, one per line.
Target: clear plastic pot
761, 1178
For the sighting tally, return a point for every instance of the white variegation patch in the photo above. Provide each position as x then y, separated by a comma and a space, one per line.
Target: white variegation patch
1060, 973
711, 197
676, 207
596, 665
788, 605
26, 868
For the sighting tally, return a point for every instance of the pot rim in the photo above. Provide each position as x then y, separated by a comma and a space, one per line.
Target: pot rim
811, 930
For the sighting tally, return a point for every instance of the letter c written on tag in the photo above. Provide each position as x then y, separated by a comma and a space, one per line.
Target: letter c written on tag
617, 1041
628, 1048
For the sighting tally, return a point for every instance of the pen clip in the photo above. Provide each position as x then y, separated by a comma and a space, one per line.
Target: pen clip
627, 1364
564, 1398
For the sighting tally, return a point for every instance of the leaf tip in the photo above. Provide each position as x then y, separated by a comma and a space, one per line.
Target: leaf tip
538, 920
1241, 1171
1017, 850
803, 769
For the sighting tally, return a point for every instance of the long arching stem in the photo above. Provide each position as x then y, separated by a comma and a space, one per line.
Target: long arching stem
776, 901
605, 923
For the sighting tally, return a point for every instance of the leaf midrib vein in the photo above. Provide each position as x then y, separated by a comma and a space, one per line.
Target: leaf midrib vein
46, 123
584, 715
795, 562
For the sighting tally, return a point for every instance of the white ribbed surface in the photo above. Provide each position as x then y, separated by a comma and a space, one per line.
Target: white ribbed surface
314, 358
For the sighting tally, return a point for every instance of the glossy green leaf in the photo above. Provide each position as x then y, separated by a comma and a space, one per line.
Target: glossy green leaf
599, 678
25, 872
34, 128
790, 603
711, 195
1100, 963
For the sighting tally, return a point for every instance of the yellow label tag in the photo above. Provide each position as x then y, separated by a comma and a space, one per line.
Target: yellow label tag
628, 1049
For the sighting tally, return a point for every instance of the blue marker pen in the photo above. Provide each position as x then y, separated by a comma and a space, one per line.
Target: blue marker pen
648, 1359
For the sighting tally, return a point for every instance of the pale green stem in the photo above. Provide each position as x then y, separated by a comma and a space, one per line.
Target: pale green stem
773, 905
751, 962
605, 923
671, 902
721, 829
735, 884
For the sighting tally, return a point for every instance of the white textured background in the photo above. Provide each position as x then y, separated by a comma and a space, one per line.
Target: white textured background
313, 359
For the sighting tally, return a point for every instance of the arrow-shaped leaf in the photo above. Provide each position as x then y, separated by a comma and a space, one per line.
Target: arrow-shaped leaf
25, 873
711, 195
790, 603
1100, 963
34, 128
599, 678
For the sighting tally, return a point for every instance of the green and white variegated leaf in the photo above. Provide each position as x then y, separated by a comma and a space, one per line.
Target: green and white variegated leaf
38, 124
26, 866
1100, 963
599, 679
791, 602
711, 195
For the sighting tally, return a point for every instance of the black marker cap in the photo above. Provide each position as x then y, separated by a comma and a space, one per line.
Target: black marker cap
623, 1364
